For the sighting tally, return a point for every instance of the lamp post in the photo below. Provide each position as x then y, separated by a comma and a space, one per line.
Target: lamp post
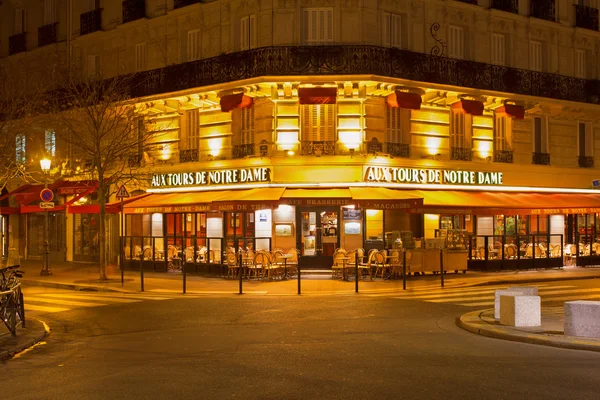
45, 165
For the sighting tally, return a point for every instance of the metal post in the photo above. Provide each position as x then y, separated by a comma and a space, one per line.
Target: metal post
241, 270
404, 270
299, 279
46, 263
122, 262
442, 267
142, 269
356, 273
184, 276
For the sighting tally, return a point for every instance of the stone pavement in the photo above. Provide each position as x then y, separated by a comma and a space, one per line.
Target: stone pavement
84, 276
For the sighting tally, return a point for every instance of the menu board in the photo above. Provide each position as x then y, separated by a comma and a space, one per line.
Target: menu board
351, 214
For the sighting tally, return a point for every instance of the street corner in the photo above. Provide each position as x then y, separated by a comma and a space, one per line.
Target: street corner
27, 337
80, 286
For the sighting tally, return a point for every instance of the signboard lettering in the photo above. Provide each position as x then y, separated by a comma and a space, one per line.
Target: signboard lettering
216, 177
425, 176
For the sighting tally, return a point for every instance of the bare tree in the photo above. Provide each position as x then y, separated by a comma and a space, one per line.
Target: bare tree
98, 118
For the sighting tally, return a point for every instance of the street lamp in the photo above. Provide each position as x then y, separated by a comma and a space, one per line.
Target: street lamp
45, 164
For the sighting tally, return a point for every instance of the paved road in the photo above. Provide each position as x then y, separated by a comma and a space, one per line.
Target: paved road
271, 347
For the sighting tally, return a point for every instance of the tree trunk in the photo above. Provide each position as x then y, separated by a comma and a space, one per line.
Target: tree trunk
101, 228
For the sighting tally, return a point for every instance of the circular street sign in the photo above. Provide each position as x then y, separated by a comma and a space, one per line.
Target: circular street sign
46, 195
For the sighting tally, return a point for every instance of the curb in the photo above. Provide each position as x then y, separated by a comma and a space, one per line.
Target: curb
533, 280
8, 354
472, 322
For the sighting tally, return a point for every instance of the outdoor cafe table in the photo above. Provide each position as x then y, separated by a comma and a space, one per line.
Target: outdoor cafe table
285, 258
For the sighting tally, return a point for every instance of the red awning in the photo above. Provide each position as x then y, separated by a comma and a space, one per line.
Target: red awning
317, 95
9, 210
411, 101
473, 107
513, 110
233, 101
111, 208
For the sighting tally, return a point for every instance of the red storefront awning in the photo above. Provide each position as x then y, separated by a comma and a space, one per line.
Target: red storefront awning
513, 110
9, 210
317, 95
233, 101
411, 101
473, 107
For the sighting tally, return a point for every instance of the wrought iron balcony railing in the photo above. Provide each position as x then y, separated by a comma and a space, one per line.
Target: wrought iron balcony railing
242, 150
189, 155
469, 1
503, 156
511, 6
47, 34
460, 153
184, 3
17, 43
398, 149
133, 10
586, 17
541, 159
317, 148
544, 9
90, 21
363, 59
586, 162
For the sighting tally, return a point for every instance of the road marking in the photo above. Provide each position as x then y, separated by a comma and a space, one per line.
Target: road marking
33, 307
88, 297
34, 299
441, 293
543, 295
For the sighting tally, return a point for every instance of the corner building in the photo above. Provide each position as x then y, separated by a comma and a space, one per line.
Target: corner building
324, 124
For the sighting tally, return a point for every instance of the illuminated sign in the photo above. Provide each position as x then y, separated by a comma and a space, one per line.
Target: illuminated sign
420, 175
216, 177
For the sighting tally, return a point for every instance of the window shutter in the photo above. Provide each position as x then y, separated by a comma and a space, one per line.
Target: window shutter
252, 31
193, 45
140, 56
456, 42
501, 134
535, 55
582, 139
247, 125
329, 29
580, 70
396, 31
498, 49
386, 30
244, 22
49, 12
306, 26
193, 129
317, 25
394, 124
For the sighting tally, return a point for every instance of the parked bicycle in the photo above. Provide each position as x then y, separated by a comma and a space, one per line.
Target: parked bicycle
12, 307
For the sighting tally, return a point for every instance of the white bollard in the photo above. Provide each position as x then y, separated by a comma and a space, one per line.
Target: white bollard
520, 311
524, 290
582, 318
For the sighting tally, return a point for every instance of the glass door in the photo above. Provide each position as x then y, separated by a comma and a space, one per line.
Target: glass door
318, 236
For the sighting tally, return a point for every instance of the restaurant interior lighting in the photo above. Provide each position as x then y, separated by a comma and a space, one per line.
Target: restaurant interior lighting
286, 140
351, 139
214, 146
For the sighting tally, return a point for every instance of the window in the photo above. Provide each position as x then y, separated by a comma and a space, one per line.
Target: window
460, 129
247, 126
456, 42
20, 144
49, 12
585, 139
395, 116
540, 135
193, 45
50, 142
317, 25
502, 129
392, 30
248, 32
535, 55
318, 122
498, 49
580, 64
192, 129
20, 21
140, 57
93, 65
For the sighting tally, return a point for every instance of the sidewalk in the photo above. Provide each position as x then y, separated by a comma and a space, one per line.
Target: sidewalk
26, 337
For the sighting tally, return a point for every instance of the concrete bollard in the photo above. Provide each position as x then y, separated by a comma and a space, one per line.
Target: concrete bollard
520, 311
582, 318
524, 290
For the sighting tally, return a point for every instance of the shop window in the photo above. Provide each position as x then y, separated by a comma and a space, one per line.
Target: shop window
85, 238
460, 129
498, 49
392, 30
456, 42
535, 55
248, 32
374, 224
502, 132
20, 147
580, 70
157, 225
585, 139
140, 56
540, 135
193, 45
318, 122
317, 25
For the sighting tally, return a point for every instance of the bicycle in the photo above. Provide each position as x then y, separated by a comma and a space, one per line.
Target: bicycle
12, 307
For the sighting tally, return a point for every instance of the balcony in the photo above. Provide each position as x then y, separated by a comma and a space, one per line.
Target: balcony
503, 156
17, 43
586, 17
185, 3
189, 155
90, 21
133, 10
511, 6
317, 148
541, 159
586, 162
543, 9
362, 59
398, 149
47, 34
242, 150
460, 154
